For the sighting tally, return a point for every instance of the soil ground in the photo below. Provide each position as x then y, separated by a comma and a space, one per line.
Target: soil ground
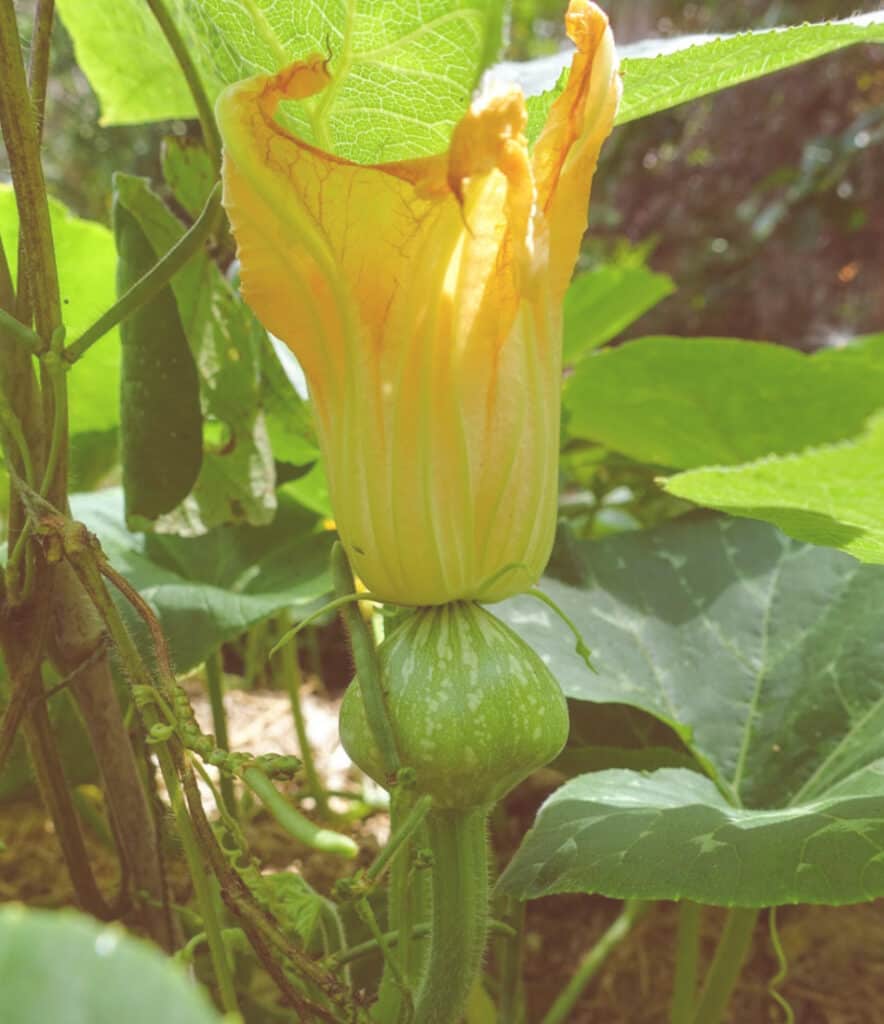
835, 955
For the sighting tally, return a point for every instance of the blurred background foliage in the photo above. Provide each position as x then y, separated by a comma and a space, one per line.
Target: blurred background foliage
773, 238
762, 202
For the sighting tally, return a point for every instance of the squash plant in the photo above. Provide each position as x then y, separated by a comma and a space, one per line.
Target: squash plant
411, 238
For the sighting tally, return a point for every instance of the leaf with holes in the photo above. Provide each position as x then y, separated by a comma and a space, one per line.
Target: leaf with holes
403, 71
764, 655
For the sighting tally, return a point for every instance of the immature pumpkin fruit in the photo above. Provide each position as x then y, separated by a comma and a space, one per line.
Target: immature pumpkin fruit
474, 711
473, 708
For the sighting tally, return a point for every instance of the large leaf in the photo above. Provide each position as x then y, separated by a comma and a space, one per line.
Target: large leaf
688, 402
61, 966
659, 74
603, 302
403, 73
683, 73
766, 657
208, 589
236, 481
833, 495
671, 835
764, 654
86, 269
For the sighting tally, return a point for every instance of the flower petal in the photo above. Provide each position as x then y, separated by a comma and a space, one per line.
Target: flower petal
566, 154
415, 296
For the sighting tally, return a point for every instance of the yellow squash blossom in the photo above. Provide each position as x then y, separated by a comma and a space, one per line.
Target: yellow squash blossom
423, 299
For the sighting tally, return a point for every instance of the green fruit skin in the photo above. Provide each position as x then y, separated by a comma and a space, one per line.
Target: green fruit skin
473, 708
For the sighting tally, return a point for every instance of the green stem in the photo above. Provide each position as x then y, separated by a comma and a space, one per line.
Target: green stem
393, 938
400, 838
733, 948
459, 843
215, 685
255, 654
509, 954
368, 667
293, 821
56, 375
211, 136
84, 564
366, 915
292, 681
405, 909
560, 1011
146, 287
265, 936
331, 606
48, 770
20, 333
22, 453
684, 990
38, 62
23, 151
203, 882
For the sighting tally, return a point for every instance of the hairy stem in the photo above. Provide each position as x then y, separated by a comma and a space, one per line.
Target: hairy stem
23, 150
206, 895
77, 637
23, 640
459, 843
292, 681
215, 685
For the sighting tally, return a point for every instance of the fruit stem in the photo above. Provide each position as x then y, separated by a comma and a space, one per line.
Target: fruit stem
459, 844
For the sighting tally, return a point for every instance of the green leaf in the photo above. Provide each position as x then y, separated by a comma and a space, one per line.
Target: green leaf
671, 835
688, 402
683, 73
403, 73
603, 302
122, 51
236, 481
618, 736
659, 74
289, 419
63, 966
86, 269
832, 495
311, 491
765, 656
294, 902
161, 422
206, 590
188, 171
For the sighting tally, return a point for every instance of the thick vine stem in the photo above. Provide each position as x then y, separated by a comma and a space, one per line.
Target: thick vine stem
459, 844
23, 147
